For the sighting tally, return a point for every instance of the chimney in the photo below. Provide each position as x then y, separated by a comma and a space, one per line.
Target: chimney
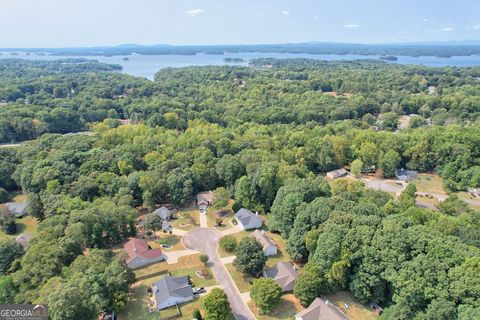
262, 231
256, 213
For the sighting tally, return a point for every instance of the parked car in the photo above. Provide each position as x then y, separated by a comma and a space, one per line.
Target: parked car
199, 290
164, 245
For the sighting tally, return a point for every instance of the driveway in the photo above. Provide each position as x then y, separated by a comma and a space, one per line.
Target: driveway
206, 241
172, 256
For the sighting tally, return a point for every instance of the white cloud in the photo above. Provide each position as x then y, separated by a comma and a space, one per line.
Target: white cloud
443, 29
194, 12
285, 12
315, 18
351, 25
426, 20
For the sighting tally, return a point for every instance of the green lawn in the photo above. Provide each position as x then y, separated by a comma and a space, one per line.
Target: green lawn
186, 219
242, 284
212, 217
239, 236
26, 224
287, 309
137, 308
164, 238
188, 265
427, 182
355, 311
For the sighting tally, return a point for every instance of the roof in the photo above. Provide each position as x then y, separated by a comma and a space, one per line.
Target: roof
263, 239
17, 208
321, 309
163, 212
171, 287
337, 173
205, 197
406, 174
284, 273
165, 225
139, 248
246, 217
23, 239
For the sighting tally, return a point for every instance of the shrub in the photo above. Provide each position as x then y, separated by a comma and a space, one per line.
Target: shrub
228, 243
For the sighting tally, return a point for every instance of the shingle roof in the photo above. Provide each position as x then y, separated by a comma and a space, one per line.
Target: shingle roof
205, 197
23, 239
171, 287
246, 217
338, 173
163, 212
284, 274
17, 208
165, 225
263, 239
139, 248
321, 309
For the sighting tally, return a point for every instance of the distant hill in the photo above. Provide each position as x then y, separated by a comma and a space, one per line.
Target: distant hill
441, 49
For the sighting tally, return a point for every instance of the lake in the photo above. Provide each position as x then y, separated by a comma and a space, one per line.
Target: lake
147, 65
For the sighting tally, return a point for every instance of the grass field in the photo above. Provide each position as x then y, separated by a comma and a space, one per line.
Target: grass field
186, 219
427, 182
355, 311
242, 284
288, 308
26, 224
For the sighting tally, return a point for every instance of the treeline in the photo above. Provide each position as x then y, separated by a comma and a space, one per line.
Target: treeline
440, 50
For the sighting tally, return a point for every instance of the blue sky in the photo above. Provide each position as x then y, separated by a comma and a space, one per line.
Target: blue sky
66, 23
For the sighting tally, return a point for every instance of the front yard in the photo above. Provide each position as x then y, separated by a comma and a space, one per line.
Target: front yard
355, 310
288, 308
26, 224
186, 219
242, 284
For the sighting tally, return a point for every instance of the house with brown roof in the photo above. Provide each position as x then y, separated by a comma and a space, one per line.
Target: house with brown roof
205, 199
269, 247
321, 309
140, 254
284, 273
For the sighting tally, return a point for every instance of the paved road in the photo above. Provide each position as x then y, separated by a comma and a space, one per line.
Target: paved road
206, 241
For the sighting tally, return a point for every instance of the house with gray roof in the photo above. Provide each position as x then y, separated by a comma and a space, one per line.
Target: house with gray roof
405, 175
163, 213
269, 247
19, 209
321, 309
166, 226
284, 273
335, 174
246, 219
170, 291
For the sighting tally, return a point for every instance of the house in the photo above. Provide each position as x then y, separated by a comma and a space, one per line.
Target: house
284, 273
246, 219
170, 291
321, 309
23, 239
404, 174
140, 254
432, 91
269, 247
163, 213
18, 209
205, 199
335, 174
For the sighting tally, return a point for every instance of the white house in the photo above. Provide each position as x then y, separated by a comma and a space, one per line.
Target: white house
269, 247
246, 219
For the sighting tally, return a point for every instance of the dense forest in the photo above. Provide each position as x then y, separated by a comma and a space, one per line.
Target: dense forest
267, 134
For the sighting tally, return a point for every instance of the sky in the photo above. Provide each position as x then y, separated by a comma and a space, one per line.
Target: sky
80, 23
